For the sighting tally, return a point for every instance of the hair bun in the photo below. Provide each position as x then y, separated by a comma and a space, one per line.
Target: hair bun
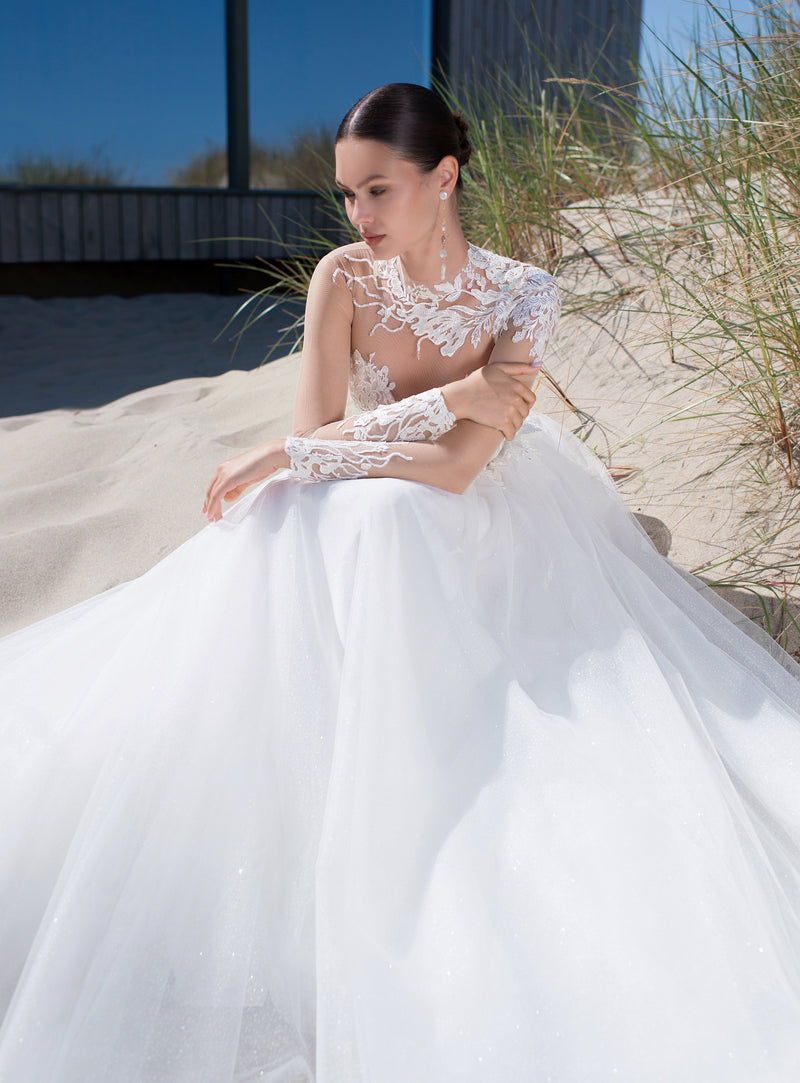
464, 145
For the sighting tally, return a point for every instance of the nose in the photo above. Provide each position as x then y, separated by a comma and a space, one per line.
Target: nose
360, 213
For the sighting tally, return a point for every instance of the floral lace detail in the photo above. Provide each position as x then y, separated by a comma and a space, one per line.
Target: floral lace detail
491, 294
419, 417
370, 386
324, 460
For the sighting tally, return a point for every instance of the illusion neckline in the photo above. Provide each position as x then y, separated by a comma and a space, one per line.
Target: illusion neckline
418, 291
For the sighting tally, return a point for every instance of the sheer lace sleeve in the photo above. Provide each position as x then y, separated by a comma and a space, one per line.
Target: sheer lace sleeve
312, 459
530, 311
418, 417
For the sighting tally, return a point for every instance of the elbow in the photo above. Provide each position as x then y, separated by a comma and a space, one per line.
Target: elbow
457, 478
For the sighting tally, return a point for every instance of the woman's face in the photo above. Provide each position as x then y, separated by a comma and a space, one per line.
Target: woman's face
395, 207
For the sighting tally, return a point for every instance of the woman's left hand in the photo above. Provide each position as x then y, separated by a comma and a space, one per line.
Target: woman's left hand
235, 475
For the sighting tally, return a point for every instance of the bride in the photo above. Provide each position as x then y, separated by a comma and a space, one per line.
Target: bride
420, 764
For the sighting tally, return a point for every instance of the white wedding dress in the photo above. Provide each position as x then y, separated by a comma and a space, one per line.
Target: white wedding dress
375, 783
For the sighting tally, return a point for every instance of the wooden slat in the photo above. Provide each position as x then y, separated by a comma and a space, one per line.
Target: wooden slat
301, 225
71, 227
219, 226
130, 226
111, 226
187, 228
92, 235
233, 225
168, 215
9, 227
52, 246
30, 227
150, 229
75, 224
263, 230
202, 225
248, 224
278, 228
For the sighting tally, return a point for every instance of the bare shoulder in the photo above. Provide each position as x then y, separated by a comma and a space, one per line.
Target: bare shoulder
349, 259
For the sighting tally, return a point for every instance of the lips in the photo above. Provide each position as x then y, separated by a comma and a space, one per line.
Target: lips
373, 238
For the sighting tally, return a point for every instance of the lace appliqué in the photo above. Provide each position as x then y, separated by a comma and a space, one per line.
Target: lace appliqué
490, 295
419, 417
324, 460
369, 386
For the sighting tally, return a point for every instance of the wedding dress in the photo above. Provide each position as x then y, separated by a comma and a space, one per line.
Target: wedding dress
371, 782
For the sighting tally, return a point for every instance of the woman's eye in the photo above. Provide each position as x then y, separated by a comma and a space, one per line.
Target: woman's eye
376, 191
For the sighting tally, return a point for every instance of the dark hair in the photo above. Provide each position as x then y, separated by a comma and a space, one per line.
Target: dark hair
414, 121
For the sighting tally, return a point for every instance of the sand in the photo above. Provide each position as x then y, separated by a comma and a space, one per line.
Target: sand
116, 411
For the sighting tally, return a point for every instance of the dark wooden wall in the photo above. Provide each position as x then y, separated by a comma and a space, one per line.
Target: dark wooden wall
116, 225
475, 36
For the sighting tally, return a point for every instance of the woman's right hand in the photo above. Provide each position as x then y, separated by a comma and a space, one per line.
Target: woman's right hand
497, 395
232, 477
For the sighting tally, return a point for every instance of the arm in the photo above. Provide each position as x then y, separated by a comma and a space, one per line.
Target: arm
496, 396
451, 462
459, 451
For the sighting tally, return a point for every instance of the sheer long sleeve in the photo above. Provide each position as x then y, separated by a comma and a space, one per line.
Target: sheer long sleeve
418, 417
318, 459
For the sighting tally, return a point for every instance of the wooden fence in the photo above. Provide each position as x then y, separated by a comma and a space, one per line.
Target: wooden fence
116, 225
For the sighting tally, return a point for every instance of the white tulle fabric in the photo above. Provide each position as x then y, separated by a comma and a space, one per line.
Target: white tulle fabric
375, 783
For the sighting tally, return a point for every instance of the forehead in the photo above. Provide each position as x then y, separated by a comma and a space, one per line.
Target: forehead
358, 160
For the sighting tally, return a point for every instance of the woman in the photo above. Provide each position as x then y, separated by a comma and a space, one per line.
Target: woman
453, 781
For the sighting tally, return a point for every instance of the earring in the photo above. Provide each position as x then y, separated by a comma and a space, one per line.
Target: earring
443, 250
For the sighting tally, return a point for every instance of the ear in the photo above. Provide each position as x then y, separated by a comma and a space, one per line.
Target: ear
447, 174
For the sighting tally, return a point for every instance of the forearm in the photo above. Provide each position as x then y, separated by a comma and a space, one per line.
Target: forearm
451, 463
418, 417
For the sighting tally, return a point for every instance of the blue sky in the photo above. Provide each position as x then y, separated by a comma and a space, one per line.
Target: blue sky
144, 80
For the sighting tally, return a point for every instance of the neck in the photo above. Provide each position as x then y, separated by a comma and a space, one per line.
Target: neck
422, 264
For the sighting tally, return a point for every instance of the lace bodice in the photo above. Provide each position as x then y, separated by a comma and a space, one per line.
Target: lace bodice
411, 328
403, 337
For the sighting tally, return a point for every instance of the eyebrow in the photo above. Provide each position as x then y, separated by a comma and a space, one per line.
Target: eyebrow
367, 180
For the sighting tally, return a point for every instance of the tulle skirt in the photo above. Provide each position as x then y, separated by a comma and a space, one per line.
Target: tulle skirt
374, 783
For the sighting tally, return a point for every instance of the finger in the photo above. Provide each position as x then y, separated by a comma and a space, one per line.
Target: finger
511, 424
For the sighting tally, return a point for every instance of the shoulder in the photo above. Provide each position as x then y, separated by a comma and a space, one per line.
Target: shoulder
526, 305
526, 296
348, 261
514, 275
334, 277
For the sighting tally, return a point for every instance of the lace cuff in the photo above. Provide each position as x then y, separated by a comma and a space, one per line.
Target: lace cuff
419, 417
324, 460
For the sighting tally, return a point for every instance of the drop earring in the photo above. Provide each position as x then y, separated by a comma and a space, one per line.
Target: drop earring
443, 249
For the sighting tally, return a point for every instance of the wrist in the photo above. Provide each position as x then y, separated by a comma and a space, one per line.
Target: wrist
284, 459
453, 395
